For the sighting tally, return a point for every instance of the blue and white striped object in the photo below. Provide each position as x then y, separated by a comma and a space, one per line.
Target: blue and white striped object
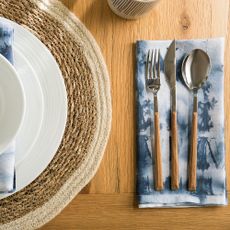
7, 159
211, 175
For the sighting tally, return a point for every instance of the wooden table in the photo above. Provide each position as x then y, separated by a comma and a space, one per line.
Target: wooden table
108, 202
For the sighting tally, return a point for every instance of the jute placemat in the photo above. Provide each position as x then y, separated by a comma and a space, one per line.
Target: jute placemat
89, 113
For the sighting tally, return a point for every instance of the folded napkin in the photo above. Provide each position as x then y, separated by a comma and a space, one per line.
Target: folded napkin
7, 159
211, 176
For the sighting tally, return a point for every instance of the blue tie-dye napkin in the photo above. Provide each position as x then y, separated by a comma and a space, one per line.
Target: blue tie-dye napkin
211, 176
7, 159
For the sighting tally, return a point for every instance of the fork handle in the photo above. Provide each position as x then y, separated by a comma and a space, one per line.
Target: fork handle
174, 153
158, 159
193, 155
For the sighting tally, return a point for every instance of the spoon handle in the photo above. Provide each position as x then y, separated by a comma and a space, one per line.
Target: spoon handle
193, 150
174, 156
158, 158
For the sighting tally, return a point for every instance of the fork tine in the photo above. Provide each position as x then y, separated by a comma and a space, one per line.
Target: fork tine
155, 63
147, 65
158, 64
151, 66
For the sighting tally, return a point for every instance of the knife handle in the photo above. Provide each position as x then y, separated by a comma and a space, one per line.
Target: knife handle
174, 153
193, 155
158, 159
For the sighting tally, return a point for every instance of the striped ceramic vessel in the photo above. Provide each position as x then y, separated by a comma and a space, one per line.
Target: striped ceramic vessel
131, 9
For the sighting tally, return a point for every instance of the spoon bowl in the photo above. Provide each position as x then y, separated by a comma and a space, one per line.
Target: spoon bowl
195, 69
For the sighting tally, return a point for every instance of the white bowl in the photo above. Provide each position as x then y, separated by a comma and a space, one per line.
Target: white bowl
12, 103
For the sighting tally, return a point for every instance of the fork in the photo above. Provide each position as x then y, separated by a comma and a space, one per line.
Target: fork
153, 84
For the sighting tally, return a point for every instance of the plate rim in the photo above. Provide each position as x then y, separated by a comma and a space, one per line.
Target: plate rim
17, 52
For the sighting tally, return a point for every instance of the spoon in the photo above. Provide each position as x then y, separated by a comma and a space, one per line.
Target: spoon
195, 69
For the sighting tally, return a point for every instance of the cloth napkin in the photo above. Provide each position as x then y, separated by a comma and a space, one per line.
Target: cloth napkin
7, 158
211, 176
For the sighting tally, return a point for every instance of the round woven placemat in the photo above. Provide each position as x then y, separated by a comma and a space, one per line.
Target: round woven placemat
89, 113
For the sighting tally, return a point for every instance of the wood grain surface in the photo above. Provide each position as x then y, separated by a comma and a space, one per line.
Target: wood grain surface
108, 201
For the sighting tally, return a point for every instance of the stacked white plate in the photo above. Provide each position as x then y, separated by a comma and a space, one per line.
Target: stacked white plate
45, 115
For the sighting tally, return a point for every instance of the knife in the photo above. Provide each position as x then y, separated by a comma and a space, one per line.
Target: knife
170, 73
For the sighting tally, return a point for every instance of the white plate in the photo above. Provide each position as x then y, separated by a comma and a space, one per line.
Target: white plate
12, 103
46, 111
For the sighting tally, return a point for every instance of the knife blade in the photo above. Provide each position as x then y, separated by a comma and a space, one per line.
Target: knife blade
170, 73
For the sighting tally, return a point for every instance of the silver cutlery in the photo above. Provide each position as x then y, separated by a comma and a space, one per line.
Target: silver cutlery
153, 84
170, 73
195, 69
